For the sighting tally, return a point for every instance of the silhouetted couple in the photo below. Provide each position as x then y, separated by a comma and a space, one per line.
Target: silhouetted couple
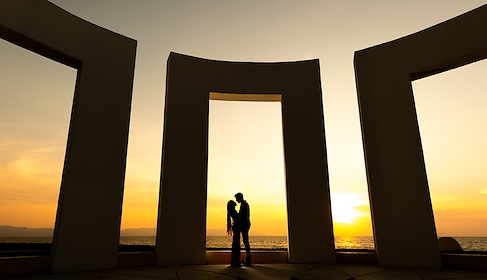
239, 222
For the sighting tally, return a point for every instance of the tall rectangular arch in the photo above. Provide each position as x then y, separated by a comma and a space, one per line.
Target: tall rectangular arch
402, 216
87, 229
182, 205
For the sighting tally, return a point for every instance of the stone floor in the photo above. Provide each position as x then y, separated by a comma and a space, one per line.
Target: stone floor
270, 272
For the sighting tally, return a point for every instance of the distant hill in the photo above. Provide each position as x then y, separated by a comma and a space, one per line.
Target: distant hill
10, 231
216, 232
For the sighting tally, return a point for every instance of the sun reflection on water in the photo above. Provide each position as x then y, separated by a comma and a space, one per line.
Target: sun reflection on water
354, 242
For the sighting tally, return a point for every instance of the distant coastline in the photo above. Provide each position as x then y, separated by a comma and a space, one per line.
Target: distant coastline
10, 231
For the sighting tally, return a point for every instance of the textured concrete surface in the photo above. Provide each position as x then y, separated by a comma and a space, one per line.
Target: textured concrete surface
271, 272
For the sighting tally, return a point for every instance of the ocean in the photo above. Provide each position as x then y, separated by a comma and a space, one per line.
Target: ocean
264, 242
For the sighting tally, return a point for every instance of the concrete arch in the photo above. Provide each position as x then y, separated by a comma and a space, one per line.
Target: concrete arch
402, 216
87, 227
182, 205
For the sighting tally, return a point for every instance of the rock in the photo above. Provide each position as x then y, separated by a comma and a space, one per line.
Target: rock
449, 244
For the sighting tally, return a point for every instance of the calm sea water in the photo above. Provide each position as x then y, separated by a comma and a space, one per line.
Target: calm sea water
264, 242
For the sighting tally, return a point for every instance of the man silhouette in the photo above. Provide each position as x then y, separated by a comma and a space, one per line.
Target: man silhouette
244, 219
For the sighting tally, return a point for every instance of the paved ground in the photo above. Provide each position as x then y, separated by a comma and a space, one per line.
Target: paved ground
270, 272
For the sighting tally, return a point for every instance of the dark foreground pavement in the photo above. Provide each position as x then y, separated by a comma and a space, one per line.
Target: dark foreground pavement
269, 272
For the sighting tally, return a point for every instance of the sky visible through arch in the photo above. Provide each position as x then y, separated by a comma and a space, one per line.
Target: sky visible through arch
450, 109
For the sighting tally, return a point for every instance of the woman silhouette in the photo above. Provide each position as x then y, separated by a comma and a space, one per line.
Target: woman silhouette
233, 229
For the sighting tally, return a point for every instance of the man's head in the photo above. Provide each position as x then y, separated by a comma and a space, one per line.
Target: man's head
239, 197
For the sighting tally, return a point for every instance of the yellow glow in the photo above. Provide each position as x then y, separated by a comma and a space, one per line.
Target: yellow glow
245, 157
34, 119
259, 172
451, 112
351, 214
33, 141
344, 207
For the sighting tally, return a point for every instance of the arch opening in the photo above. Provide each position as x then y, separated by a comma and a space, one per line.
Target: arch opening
451, 118
246, 155
34, 122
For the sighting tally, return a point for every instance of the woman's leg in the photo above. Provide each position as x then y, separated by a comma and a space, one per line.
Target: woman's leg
236, 248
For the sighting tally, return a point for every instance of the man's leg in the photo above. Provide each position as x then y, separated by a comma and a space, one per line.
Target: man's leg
245, 238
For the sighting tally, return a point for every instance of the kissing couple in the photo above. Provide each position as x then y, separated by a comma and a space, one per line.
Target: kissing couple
239, 222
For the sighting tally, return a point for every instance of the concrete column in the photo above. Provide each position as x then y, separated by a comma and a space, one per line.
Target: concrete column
181, 227
310, 230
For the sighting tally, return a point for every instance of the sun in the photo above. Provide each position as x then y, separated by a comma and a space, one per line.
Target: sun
344, 207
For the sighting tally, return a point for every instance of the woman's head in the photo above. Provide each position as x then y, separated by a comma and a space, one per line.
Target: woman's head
230, 209
231, 205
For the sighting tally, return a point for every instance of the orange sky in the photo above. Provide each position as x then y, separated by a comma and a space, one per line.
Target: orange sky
245, 148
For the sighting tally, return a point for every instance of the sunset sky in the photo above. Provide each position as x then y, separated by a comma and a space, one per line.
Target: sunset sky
245, 148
